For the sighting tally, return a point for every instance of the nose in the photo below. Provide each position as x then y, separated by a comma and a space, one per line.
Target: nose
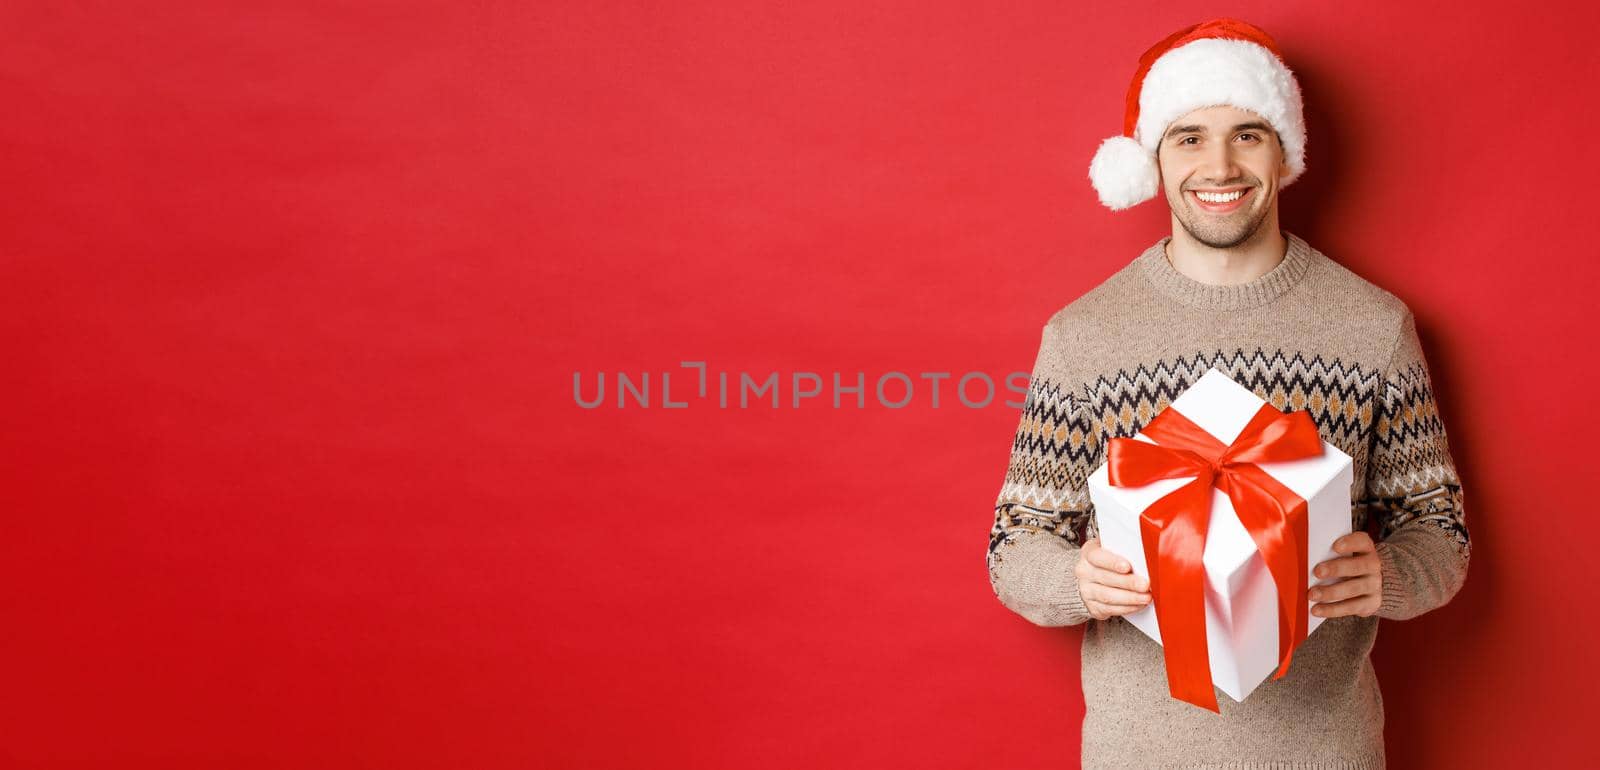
1218, 162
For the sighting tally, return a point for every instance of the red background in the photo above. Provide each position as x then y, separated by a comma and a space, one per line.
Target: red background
294, 293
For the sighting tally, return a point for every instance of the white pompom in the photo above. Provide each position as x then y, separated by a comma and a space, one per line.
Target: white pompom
1124, 173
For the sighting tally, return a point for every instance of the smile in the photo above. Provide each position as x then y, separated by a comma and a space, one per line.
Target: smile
1220, 203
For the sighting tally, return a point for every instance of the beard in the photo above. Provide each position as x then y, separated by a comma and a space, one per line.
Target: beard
1220, 232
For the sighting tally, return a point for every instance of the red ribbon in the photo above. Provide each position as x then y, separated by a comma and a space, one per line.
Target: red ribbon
1174, 527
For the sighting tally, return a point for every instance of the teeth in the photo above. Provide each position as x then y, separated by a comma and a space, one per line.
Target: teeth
1219, 198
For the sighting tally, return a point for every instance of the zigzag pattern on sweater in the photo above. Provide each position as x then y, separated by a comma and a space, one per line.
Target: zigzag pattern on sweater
1062, 432
1413, 477
1339, 396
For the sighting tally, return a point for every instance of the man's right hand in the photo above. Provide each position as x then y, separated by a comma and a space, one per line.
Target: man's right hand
1107, 585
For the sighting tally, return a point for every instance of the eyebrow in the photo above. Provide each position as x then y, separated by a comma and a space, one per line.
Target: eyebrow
1195, 128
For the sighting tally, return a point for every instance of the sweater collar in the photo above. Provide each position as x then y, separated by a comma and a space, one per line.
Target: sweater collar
1238, 296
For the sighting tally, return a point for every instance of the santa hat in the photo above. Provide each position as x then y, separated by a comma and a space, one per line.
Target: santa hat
1216, 62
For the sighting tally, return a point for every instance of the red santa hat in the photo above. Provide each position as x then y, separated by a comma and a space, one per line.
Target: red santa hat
1217, 62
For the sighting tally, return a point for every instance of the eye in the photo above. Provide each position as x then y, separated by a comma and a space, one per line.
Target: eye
1252, 136
1186, 139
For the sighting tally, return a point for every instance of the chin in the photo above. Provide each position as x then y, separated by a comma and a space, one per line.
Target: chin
1219, 235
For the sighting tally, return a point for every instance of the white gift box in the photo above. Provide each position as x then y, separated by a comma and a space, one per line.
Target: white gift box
1240, 595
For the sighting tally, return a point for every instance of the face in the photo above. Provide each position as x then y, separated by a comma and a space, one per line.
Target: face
1220, 151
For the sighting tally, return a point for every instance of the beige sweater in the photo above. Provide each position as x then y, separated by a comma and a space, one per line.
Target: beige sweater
1308, 335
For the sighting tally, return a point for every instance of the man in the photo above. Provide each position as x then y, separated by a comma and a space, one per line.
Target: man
1215, 123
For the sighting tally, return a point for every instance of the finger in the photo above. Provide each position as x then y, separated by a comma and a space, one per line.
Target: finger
1103, 558
1364, 606
1128, 580
1104, 611
1355, 542
1344, 566
1111, 595
1344, 589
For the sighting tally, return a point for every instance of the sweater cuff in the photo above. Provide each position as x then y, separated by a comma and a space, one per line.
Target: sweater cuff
1071, 603
1035, 575
1422, 568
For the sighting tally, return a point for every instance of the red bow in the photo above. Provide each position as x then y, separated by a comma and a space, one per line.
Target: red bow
1174, 527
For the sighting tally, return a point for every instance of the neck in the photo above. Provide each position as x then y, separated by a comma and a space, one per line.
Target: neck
1243, 263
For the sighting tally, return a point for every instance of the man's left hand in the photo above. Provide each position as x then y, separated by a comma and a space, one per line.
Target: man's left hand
1360, 592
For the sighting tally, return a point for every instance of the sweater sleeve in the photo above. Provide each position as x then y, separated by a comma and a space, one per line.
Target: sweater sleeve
1043, 509
1412, 485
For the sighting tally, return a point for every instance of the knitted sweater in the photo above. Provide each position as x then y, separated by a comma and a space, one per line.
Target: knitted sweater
1307, 335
